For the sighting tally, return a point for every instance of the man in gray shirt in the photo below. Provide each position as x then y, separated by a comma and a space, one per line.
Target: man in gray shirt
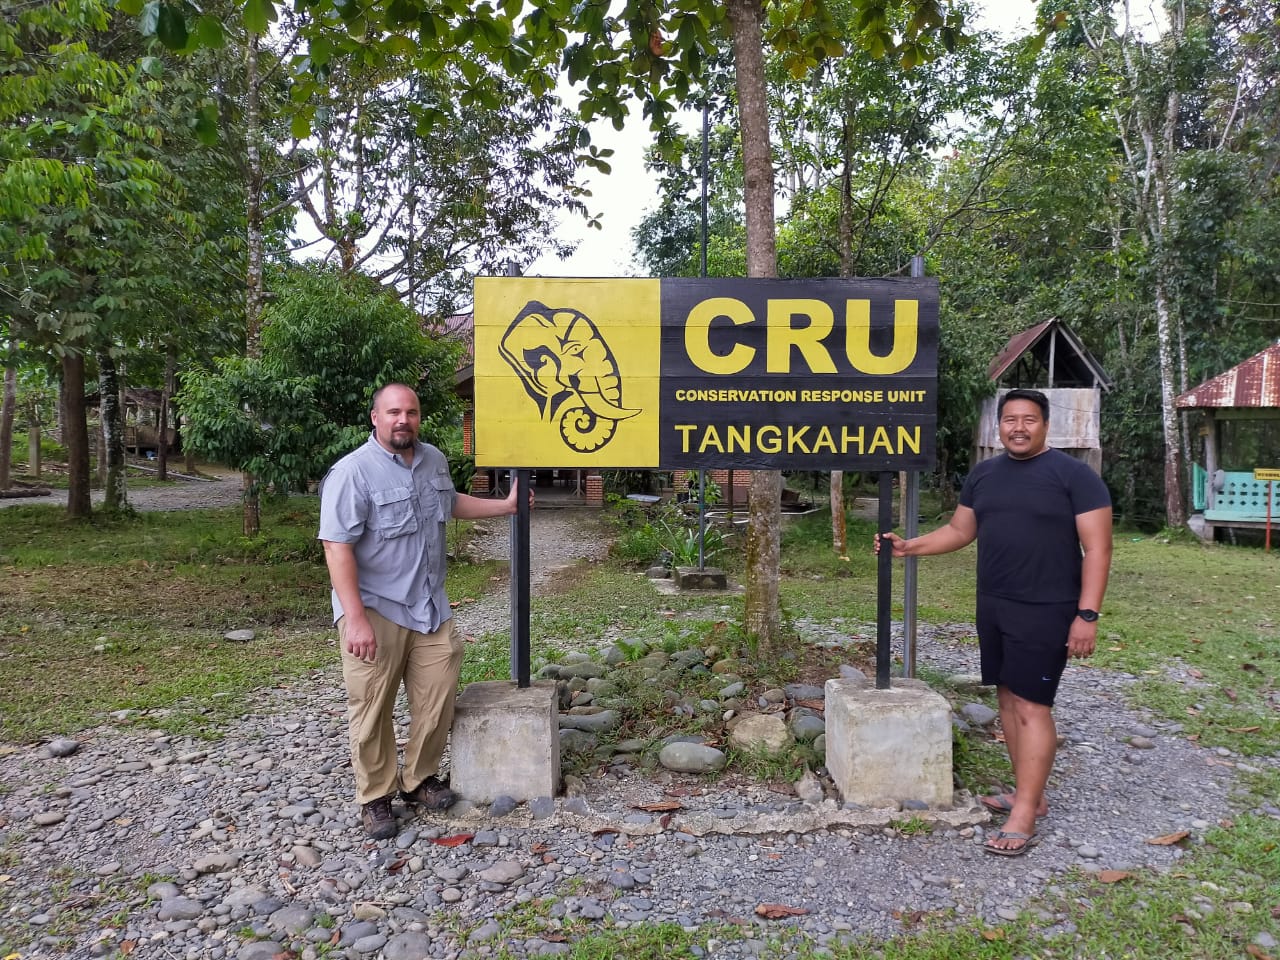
383, 509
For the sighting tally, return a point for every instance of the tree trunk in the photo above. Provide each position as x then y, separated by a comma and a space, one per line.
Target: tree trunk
839, 538
252, 521
33, 442
111, 411
7, 407
162, 424
75, 436
1174, 507
763, 619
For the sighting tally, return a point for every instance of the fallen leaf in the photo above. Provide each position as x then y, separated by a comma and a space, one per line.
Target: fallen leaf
554, 937
776, 911
539, 847
602, 831
998, 737
1231, 694
915, 916
993, 933
658, 806
1113, 876
1193, 672
1249, 666
1257, 952
1244, 729
664, 821
1169, 839
128, 946
457, 840
819, 705
1193, 737
397, 865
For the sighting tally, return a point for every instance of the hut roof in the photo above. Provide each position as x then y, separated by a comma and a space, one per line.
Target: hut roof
1255, 383
1074, 367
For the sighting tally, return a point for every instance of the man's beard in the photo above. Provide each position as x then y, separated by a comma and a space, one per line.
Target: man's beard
401, 441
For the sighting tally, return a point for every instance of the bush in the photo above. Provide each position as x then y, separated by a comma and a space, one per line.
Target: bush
49, 448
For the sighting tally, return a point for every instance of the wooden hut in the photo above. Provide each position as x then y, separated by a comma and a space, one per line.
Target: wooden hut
1049, 357
1240, 425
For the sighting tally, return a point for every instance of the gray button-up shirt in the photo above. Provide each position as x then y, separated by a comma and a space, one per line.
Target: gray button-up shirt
394, 515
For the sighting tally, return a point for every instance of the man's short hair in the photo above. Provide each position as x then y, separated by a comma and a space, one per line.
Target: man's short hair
1035, 396
373, 403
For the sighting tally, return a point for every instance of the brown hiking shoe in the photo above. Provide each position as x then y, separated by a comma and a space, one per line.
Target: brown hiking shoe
379, 821
432, 793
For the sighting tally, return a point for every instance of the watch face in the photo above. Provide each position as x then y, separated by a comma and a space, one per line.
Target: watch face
1088, 616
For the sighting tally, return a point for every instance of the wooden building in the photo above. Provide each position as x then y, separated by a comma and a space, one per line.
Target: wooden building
1239, 414
1049, 357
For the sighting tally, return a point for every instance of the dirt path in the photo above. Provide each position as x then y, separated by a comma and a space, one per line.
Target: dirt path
218, 487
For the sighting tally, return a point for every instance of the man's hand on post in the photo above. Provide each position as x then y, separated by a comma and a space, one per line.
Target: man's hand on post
512, 501
898, 545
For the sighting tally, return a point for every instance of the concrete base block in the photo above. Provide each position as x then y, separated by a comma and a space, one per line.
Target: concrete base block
505, 742
889, 746
704, 578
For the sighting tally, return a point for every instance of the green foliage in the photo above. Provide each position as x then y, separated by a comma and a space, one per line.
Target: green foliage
49, 449
679, 539
327, 342
353, 335
250, 419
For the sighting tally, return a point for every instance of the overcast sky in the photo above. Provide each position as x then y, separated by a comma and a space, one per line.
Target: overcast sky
625, 195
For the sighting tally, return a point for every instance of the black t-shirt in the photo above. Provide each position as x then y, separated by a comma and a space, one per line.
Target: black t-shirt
1028, 549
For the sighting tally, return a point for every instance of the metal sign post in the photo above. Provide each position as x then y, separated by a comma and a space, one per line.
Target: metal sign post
1270, 476
884, 584
519, 570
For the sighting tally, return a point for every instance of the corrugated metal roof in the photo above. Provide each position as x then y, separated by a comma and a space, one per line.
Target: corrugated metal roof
1255, 383
1078, 364
1018, 344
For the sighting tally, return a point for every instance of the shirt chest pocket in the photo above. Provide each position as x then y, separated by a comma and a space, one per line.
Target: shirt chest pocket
393, 511
442, 488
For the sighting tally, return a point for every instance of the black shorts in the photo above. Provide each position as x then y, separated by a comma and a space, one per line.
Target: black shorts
1024, 645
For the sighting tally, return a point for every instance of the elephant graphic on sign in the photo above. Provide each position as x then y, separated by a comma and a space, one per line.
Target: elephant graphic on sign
569, 371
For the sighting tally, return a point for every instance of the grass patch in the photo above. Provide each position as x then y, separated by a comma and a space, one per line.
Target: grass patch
129, 614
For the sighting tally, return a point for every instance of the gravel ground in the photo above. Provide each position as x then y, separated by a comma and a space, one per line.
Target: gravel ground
216, 489
126, 841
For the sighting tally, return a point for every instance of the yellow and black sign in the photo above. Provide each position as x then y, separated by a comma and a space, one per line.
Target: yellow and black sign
1266, 473
685, 374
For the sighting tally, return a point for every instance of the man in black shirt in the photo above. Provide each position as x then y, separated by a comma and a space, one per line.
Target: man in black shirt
1042, 520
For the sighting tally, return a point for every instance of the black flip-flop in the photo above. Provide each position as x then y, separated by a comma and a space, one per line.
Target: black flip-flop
997, 803
1029, 840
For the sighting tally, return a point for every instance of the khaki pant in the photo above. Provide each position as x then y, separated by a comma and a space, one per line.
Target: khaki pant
428, 664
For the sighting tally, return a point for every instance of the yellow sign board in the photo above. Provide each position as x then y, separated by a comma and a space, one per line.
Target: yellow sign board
1262, 473
684, 373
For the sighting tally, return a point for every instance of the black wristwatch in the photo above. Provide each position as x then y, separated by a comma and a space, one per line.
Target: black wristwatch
1088, 616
